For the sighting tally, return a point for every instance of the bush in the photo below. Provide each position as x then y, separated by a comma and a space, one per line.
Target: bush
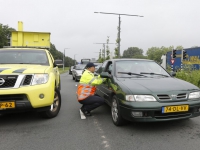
189, 74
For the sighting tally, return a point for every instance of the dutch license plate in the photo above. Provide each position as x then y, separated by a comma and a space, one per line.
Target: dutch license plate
5, 105
179, 108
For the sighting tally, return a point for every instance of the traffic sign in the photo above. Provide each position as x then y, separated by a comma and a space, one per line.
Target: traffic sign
172, 61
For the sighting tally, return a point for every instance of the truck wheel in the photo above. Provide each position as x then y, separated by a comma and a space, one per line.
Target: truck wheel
118, 120
55, 107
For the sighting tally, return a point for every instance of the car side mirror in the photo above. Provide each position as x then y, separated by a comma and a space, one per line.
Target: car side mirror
173, 74
105, 75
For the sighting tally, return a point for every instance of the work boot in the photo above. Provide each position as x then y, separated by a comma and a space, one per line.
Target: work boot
85, 112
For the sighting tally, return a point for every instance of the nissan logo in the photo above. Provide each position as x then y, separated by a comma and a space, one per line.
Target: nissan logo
2, 81
173, 96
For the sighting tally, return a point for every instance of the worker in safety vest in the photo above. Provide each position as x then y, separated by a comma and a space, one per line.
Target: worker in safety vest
87, 88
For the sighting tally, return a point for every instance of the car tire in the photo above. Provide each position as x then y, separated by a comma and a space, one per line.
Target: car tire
76, 79
55, 107
117, 119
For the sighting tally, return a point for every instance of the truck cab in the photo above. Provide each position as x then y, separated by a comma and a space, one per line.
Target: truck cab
29, 81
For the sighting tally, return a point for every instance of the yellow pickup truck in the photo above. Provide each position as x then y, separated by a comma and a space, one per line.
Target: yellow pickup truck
29, 81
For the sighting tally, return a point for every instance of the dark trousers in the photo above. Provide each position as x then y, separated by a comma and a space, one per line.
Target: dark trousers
92, 102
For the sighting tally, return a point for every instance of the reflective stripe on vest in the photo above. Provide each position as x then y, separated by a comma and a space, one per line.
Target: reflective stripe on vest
85, 90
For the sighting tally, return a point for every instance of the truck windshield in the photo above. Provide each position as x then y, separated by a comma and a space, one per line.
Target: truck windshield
23, 57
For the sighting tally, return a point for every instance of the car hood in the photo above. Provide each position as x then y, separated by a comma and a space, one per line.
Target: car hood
156, 85
24, 68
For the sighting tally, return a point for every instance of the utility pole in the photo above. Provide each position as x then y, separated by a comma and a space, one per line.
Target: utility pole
119, 25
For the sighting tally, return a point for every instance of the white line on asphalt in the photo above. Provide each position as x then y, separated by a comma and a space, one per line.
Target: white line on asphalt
103, 137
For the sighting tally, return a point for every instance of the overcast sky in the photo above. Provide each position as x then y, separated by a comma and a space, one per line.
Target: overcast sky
73, 23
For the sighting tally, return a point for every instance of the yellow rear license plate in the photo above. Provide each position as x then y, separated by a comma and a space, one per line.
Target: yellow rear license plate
5, 105
170, 109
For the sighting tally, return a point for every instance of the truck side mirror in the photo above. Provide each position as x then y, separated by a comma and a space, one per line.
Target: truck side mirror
54, 64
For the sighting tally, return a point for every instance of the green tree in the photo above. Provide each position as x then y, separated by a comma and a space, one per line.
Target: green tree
59, 55
5, 34
132, 52
100, 59
155, 53
179, 47
107, 49
116, 54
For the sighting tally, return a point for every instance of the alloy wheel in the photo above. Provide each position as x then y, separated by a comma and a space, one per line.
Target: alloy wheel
114, 110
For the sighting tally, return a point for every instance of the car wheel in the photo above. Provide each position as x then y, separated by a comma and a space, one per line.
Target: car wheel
55, 107
118, 120
76, 79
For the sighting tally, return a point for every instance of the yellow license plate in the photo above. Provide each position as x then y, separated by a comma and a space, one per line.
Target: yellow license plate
5, 105
170, 109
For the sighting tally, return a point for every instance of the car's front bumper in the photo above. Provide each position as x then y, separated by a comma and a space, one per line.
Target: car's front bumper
78, 77
152, 111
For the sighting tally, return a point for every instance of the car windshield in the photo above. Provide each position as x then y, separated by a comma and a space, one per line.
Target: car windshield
97, 66
80, 67
23, 57
137, 68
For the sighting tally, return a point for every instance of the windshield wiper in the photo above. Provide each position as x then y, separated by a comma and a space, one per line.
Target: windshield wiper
151, 73
131, 73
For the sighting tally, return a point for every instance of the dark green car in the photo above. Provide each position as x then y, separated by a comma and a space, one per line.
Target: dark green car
141, 90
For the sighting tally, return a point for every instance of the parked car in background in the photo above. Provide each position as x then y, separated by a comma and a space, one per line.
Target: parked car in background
70, 69
77, 71
141, 90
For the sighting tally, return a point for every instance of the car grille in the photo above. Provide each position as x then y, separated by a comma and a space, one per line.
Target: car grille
165, 97
12, 97
181, 96
27, 80
10, 81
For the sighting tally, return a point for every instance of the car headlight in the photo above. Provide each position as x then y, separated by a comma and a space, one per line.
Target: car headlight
140, 98
194, 95
40, 79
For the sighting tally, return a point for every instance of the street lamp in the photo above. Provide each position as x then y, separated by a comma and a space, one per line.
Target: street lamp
104, 49
64, 59
119, 25
74, 59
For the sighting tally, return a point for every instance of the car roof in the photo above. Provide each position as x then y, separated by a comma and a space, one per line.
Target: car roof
128, 59
22, 49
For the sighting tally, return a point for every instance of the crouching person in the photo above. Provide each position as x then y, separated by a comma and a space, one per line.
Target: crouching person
87, 88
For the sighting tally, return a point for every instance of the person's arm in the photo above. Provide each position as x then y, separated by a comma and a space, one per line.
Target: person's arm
96, 81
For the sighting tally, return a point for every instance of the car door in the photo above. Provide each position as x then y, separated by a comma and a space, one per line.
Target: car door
100, 87
105, 86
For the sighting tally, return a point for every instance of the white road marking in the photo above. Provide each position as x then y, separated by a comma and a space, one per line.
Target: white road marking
105, 143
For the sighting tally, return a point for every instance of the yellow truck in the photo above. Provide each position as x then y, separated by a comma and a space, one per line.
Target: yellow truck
29, 81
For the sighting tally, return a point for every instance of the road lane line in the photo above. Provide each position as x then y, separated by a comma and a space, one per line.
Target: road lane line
105, 142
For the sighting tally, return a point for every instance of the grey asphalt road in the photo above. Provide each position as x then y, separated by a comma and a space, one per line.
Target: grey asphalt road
67, 131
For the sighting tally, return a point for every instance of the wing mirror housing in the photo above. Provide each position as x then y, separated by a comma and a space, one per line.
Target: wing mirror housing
105, 75
54, 64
